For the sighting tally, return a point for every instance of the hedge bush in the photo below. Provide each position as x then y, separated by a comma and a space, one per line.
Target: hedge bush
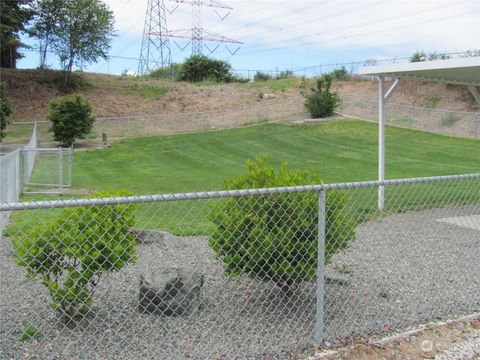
200, 67
5, 109
275, 237
71, 118
71, 253
319, 100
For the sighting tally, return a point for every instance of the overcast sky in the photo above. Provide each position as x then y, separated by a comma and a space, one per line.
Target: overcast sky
293, 34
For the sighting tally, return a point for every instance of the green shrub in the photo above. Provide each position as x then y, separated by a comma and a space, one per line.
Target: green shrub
200, 67
71, 118
275, 237
340, 73
449, 120
72, 252
261, 76
167, 72
285, 74
5, 109
319, 100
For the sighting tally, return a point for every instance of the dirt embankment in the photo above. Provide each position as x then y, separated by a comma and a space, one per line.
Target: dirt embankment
30, 91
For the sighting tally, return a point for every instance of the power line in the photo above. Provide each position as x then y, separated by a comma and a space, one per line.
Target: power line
355, 35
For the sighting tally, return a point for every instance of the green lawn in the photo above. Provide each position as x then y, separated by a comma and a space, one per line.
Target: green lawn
340, 151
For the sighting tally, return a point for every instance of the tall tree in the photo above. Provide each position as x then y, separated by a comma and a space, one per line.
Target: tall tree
83, 33
14, 17
44, 26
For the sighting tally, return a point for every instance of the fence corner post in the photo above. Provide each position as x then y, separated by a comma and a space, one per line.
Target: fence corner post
319, 318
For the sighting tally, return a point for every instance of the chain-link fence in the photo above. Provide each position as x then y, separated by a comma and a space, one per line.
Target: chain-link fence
52, 171
244, 274
274, 110
458, 123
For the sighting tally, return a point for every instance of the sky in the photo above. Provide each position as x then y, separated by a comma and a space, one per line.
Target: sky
297, 34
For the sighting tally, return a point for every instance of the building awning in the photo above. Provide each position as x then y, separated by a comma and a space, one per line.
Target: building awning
464, 71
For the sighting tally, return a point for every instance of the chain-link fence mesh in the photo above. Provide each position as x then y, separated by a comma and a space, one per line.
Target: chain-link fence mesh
52, 171
458, 123
244, 274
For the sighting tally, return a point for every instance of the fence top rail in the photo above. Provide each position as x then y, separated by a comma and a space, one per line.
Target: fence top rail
224, 193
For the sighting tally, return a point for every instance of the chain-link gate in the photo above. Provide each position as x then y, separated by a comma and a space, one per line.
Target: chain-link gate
244, 274
50, 172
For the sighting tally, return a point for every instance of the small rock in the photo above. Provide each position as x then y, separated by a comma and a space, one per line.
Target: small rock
170, 292
268, 96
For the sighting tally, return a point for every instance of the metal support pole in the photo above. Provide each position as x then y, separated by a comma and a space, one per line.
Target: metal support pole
475, 93
322, 201
60, 175
381, 141
70, 165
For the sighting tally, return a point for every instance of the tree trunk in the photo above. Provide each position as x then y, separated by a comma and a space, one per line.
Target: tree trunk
68, 75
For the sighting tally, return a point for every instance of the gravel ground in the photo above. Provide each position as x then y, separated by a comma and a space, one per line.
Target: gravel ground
469, 349
402, 270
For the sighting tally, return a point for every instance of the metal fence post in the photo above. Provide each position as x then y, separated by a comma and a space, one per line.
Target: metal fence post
70, 161
322, 198
60, 175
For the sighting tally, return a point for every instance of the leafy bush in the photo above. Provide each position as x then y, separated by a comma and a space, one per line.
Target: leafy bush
71, 118
419, 56
261, 76
5, 109
200, 67
285, 74
319, 100
167, 72
275, 237
340, 73
72, 252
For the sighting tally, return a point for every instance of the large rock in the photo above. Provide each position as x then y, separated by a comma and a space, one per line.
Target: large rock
170, 291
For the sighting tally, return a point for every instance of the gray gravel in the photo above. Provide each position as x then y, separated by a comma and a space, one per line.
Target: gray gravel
469, 349
401, 271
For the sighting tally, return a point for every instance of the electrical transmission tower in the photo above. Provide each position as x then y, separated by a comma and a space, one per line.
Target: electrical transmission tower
198, 35
155, 52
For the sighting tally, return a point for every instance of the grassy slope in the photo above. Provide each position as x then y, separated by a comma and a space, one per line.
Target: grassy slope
339, 151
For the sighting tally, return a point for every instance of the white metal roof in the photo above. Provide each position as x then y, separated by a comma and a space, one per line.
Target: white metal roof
453, 71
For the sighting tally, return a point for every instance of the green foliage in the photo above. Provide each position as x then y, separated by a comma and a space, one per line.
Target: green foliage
29, 332
319, 100
432, 101
84, 40
147, 91
261, 76
14, 17
419, 56
449, 120
340, 73
200, 68
71, 253
71, 118
5, 109
167, 72
285, 74
276, 236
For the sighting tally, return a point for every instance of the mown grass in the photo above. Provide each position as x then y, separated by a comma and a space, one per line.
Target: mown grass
339, 151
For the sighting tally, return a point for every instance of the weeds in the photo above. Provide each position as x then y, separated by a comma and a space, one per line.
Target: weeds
29, 332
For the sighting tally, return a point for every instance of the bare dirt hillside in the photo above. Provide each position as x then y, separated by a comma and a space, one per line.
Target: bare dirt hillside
30, 91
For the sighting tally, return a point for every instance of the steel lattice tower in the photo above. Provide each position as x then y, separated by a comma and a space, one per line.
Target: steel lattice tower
155, 52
